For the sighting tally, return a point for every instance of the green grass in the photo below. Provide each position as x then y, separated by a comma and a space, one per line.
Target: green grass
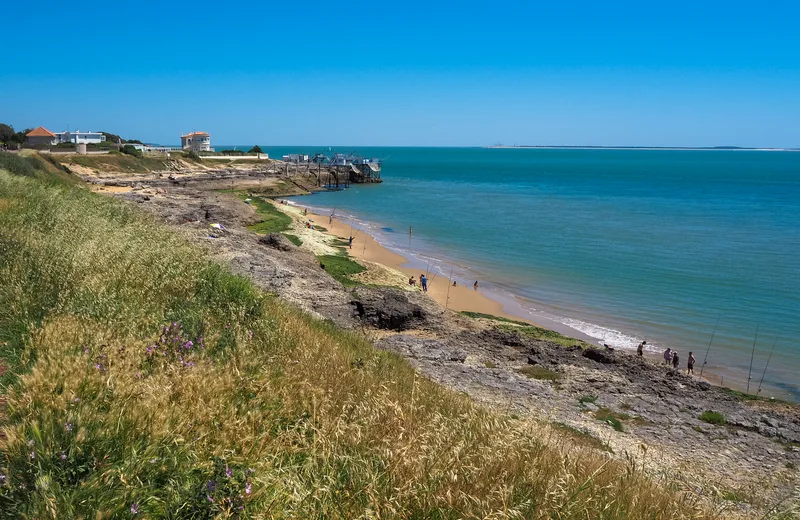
294, 239
611, 418
712, 417
587, 399
109, 406
539, 372
273, 220
482, 315
341, 268
528, 330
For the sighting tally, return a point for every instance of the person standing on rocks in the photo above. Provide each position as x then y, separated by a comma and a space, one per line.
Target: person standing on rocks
351, 242
675, 359
423, 280
690, 364
640, 349
668, 356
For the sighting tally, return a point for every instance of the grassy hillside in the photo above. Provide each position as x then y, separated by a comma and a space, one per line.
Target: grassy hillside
116, 162
145, 381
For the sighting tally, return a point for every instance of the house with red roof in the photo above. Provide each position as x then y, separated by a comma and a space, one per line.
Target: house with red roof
41, 136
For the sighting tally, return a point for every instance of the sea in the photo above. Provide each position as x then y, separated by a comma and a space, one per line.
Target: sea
697, 250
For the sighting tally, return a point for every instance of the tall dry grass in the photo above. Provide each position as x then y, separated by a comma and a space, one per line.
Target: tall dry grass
145, 381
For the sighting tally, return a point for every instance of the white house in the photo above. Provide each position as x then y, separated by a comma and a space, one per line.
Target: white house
197, 142
79, 137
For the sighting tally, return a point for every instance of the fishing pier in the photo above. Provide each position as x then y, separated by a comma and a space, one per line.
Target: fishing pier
337, 171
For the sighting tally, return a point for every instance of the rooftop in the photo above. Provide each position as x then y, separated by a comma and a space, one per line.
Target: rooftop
40, 132
196, 134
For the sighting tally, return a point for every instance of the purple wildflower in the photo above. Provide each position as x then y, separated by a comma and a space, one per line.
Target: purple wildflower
248, 489
209, 498
228, 472
134, 508
33, 455
63, 456
188, 345
138, 375
68, 426
75, 400
211, 485
2, 479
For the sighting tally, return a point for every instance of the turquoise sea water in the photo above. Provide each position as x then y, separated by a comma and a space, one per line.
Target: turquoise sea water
622, 245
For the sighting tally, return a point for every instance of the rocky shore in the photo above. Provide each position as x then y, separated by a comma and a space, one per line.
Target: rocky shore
739, 453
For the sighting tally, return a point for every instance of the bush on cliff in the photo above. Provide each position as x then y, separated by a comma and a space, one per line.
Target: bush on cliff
146, 381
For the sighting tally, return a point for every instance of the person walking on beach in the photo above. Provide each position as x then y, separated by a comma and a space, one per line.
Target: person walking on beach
351, 242
690, 364
423, 280
475, 285
668, 356
675, 359
640, 349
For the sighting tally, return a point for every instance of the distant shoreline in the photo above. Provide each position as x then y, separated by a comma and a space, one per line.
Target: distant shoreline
698, 148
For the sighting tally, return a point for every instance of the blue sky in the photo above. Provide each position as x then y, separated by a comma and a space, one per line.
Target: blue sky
412, 73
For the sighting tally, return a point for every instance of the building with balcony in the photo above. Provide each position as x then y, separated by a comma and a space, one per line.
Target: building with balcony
197, 142
78, 137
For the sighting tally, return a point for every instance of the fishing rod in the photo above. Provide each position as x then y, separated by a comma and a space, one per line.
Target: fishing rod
449, 284
767, 365
752, 355
709, 345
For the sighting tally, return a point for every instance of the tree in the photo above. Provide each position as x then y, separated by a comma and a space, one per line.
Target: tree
255, 149
6, 133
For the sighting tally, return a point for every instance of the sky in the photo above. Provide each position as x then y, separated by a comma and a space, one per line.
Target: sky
408, 73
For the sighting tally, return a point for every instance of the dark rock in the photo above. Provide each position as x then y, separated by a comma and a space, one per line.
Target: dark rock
601, 356
277, 241
458, 356
388, 309
533, 361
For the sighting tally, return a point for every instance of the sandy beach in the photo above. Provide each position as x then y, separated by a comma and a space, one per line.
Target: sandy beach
367, 249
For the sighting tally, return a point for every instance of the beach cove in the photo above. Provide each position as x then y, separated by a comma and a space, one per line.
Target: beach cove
672, 247
605, 399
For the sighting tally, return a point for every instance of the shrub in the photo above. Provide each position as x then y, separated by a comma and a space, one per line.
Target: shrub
587, 399
712, 417
131, 150
18, 165
255, 149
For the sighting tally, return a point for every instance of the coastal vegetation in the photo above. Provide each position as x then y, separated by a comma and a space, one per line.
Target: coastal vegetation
272, 220
341, 268
143, 380
712, 417
115, 162
529, 330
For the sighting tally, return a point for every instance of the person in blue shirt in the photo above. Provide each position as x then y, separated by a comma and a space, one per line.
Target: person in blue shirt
423, 280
